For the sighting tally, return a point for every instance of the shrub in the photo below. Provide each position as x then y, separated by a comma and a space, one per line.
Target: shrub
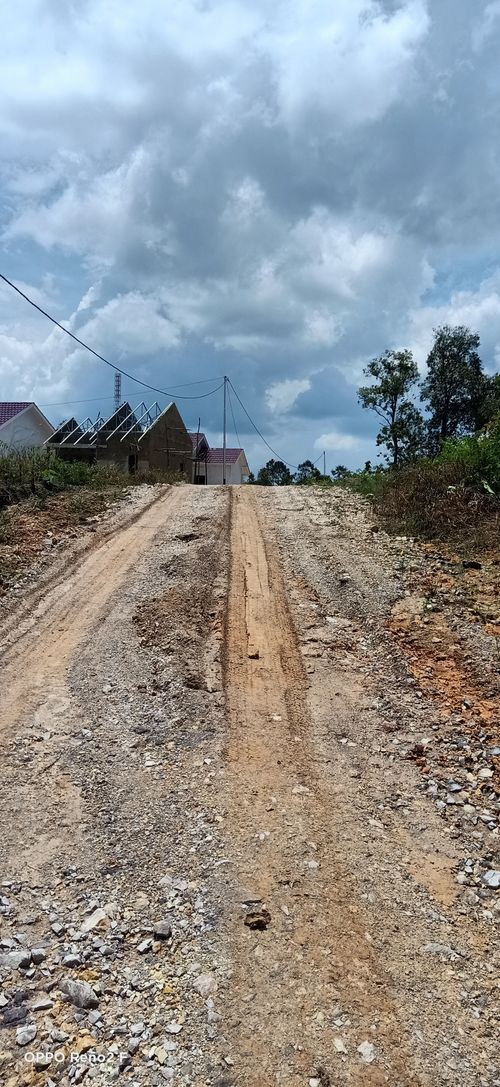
37, 471
477, 456
454, 497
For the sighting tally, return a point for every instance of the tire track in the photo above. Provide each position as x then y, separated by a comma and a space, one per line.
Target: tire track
314, 956
34, 665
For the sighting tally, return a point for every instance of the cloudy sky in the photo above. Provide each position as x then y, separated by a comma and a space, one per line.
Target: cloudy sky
276, 190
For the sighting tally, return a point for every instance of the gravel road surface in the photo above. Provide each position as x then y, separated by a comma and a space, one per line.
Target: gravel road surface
246, 838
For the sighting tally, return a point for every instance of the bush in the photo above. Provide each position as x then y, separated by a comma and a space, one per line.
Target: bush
454, 497
38, 471
437, 501
477, 457
370, 484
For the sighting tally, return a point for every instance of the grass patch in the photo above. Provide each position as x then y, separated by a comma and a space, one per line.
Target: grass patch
39, 472
436, 502
453, 498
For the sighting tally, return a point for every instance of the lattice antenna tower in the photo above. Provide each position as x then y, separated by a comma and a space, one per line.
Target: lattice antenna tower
118, 390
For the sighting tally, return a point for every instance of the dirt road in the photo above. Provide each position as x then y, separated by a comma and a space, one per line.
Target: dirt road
224, 860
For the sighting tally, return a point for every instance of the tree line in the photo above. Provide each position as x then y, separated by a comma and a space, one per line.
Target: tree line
456, 395
456, 398
277, 474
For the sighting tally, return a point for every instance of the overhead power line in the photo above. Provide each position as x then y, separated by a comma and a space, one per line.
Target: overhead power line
70, 403
259, 432
234, 420
98, 399
145, 385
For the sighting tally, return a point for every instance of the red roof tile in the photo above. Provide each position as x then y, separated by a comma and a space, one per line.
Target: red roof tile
8, 409
215, 456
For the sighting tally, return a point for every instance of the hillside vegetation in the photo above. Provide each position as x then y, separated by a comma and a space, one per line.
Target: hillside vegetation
440, 442
453, 497
37, 473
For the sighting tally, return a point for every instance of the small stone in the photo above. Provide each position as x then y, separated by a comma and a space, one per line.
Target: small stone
16, 960
42, 1004
258, 919
339, 1045
170, 1047
59, 1035
205, 984
42, 1060
173, 1028
367, 1052
441, 949
98, 918
14, 1015
137, 1028
162, 930
80, 993
26, 1034
86, 1041
38, 954
491, 878
144, 946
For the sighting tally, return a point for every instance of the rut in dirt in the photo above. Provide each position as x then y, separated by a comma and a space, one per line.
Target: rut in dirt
313, 953
39, 648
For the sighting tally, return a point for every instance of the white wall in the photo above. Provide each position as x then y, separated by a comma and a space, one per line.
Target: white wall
234, 473
25, 431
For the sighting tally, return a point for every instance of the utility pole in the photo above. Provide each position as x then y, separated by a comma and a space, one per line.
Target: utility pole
324, 462
196, 454
224, 433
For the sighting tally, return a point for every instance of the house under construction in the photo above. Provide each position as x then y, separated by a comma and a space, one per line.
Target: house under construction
139, 439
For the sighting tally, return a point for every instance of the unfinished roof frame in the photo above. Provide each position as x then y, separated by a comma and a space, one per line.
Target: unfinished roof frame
150, 418
90, 429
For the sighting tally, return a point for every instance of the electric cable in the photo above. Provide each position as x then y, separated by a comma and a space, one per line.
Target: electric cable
234, 420
261, 436
112, 365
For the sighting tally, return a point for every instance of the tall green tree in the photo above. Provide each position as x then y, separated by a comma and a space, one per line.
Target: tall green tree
456, 388
274, 474
340, 472
490, 405
307, 472
394, 375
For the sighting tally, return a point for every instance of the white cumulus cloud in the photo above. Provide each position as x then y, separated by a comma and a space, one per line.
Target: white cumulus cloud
282, 396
